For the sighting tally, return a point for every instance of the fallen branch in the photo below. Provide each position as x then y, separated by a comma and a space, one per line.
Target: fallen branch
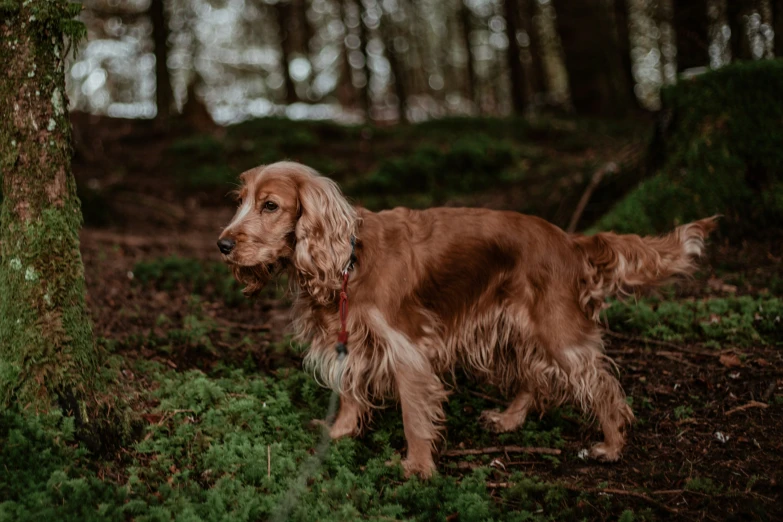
646, 340
751, 404
606, 168
487, 398
244, 326
501, 449
611, 491
597, 491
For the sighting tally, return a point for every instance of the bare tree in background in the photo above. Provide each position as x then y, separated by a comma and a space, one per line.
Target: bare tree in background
596, 79
692, 33
283, 14
305, 30
364, 37
466, 24
536, 75
390, 33
622, 23
736, 11
346, 92
777, 26
164, 94
513, 57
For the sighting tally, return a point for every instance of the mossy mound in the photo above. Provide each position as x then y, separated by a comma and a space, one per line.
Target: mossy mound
722, 154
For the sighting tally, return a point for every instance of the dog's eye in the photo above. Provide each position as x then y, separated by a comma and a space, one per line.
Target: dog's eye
271, 206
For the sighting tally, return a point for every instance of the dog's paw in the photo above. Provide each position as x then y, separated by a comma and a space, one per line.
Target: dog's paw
605, 453
422, 469
339, 431
497, 422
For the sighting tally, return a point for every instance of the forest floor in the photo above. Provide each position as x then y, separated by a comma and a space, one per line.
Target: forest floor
225, 410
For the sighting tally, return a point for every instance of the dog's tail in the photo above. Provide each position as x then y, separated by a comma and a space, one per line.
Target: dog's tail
624, 264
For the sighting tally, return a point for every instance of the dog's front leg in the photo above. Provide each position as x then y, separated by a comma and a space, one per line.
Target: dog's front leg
421, 396
348, 421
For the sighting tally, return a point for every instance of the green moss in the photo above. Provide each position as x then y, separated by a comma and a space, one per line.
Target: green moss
740, 321
45, 334
722, 155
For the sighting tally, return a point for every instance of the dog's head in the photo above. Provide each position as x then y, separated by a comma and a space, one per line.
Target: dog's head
289, 215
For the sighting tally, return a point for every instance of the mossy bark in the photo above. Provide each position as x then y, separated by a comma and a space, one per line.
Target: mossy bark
47, 350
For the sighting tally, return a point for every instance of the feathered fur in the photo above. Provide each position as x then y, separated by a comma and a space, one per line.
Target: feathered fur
510, 298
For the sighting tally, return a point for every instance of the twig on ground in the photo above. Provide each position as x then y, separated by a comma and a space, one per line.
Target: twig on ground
676, 357
487, 398
244, 326
769, 391
612, 491
501, 449
598, 491
751, 404
646, 340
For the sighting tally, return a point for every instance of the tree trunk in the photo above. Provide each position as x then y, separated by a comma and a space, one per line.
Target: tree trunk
346, 92
466, 25
740, 43
283, 12
691, 33
47, 350
164, 95
596, 80
389, 32
622, 20
537, 78
777, 25
306, 33
364, 38
513, 58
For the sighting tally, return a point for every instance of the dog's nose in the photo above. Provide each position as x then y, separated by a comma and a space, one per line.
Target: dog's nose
226, 245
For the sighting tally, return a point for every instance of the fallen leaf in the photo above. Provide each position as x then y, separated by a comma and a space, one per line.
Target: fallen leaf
730, 360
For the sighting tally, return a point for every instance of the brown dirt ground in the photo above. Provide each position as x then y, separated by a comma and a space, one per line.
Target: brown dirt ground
662, 452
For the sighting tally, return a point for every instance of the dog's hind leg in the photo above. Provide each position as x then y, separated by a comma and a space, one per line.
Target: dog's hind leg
587, 374
613, 414
512, 418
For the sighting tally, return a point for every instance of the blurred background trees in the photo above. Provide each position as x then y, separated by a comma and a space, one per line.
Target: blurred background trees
404, 60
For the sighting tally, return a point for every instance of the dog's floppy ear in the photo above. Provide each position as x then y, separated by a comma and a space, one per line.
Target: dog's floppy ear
323, 236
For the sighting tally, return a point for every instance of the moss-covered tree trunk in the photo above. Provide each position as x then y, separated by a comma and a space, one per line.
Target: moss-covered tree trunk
47, 351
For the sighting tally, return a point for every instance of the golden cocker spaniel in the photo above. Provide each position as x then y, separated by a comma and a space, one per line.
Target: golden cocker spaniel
510, 298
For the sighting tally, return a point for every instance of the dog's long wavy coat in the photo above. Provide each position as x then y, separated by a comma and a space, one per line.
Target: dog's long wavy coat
509, 298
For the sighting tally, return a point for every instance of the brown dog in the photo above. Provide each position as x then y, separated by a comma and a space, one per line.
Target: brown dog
510, 298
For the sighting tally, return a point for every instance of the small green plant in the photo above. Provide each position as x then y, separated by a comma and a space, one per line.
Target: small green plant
683, 412
703, 485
